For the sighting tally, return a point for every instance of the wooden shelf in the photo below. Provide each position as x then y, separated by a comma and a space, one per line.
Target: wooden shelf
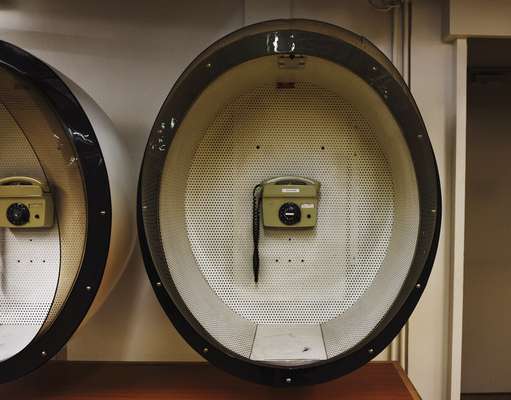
60, 380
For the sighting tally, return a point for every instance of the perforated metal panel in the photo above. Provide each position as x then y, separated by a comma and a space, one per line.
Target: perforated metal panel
29, 259
29, 272
307, 276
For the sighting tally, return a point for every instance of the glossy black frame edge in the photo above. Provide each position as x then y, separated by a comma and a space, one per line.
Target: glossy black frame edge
99, 210
385, 84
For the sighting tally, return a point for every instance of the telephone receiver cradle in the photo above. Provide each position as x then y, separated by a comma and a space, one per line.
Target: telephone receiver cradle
25, 202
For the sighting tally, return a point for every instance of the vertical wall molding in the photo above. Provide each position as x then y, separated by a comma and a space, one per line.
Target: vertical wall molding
400, 58
458, 221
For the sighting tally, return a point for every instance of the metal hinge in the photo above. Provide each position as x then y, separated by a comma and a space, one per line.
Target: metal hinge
291, 61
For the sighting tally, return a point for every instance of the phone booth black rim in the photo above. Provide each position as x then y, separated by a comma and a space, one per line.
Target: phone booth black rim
378, 72
95, 180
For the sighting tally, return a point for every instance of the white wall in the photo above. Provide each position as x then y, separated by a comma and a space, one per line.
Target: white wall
127, 54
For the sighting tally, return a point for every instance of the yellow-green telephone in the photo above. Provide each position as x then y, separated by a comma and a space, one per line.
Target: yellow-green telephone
25, 203
287, 202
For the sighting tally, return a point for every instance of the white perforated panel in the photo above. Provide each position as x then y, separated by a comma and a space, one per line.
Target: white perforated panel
308, 276
54, 155
29, 258
29, 272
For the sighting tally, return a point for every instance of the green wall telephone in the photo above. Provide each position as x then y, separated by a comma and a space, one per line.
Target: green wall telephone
25, 203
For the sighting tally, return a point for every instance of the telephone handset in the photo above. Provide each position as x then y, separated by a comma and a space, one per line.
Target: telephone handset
286, 202
25, 202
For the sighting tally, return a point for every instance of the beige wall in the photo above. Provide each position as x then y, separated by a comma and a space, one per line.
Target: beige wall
469, 18
487, 298
127, 54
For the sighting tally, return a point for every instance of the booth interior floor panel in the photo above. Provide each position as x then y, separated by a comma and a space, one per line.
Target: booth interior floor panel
60, 380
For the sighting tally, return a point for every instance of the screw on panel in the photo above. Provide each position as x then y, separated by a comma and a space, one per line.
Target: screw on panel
158, 284
208, 65
418, 286
103, 212
371, 351
374, 68
43, 353
288, 380
205, 350
420, 135
88, 288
